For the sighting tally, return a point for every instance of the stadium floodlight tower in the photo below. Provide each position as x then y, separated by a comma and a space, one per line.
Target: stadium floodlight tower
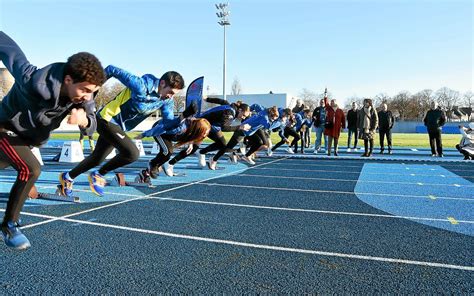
223, 15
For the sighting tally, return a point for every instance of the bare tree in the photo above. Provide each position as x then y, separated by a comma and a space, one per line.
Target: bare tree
468, 103
107, 93
379, 99
354, 99
421, 103
468, 99
402, 103
179, 103
236, 87
447, 99
310, 98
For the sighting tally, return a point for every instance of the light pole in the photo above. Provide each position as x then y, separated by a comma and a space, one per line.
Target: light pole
223, 15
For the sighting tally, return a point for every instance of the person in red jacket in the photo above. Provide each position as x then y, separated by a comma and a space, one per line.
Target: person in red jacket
335, 120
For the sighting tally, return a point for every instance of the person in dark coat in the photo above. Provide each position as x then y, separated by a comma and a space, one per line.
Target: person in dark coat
319, 120
434, 120
352, 116
386, 121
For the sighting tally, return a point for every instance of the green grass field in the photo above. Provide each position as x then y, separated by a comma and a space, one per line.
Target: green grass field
399, 140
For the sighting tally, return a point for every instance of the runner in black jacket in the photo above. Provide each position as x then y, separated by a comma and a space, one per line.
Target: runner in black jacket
37, 103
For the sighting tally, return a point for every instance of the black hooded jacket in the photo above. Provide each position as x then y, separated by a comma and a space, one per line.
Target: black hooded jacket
33, 107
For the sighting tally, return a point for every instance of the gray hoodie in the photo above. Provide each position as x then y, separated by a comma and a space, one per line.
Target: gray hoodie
33, 107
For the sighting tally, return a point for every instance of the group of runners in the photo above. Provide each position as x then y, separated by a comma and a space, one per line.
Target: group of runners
41, 98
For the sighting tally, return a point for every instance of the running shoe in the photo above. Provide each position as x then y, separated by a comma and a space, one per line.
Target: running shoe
144, 176
154, 172
168, 168
97, 183
201, 159
212, 164
248, 160
65, 184
13, 237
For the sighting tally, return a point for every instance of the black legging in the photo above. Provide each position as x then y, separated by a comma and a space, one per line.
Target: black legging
219, 142
307, 137
214, 135
296, 139
16, 153
234, 140
257, 140
183, 154
166, 149
288, 131
110, 136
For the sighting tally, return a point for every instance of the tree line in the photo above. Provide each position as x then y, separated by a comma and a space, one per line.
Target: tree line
407, 106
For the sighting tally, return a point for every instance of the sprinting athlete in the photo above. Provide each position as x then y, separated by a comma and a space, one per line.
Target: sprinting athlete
190, 131
36, 105
220, 118
303, 120
286, 130
263, 119
142, 97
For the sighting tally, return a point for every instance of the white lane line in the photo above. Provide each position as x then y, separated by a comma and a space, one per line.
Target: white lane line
276, 248
349, 180
142, 197
307, 210
332, 191
358, 172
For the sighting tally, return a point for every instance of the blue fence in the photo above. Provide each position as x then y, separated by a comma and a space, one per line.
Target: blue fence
446, 129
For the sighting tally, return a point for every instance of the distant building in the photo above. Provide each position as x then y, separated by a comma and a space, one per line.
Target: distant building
6, 82
461, 114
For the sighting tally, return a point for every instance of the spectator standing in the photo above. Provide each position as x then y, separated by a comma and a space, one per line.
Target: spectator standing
386, 121
367, 125
434, 120
319, 120
335, 120
352, 116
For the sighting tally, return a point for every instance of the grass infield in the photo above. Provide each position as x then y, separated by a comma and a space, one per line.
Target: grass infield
398, 140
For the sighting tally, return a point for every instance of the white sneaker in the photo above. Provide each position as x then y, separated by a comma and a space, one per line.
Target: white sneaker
269, 152
233, 158
212, 164
289, 150
356, 149
348, 149
315, 151
242, 148
248, 160
201, 159
168, 168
